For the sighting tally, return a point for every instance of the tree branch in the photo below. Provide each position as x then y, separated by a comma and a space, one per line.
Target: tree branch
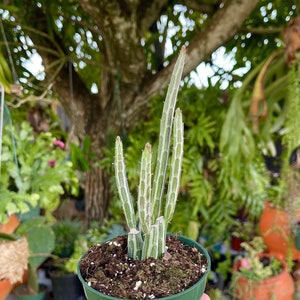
200, 6
149, 10
217, 33
259, 31
221, 29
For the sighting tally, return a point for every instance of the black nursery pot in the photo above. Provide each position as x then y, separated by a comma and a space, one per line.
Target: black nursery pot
66, 286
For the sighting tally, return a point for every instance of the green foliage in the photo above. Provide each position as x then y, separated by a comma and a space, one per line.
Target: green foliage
66, 232
289, 198
267, 20
34, 171
81, 156
243, 173
216, 294
41, 241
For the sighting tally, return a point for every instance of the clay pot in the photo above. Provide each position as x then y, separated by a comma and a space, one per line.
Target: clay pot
5, 289
279, 287
10, 226
276, 232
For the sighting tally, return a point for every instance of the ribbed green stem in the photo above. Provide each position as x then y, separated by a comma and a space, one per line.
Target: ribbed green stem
134, 244
144, 192
122, 185
165, 136
154, 239
161, 236
146, 246
175, 170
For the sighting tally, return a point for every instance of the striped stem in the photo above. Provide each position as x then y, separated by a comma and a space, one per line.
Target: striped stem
175, 170
144, 191
165, 136
134, 244
122, 185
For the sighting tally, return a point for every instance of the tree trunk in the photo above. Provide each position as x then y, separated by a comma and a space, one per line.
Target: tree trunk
97, 191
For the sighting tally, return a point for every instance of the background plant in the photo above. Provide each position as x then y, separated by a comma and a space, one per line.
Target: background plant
291, 141
66, 232
255, 267
34, 170
41, 241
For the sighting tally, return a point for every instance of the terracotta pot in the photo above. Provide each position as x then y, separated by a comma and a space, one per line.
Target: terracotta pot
275, 230
11, 225
279, 287
24, 279
5, 289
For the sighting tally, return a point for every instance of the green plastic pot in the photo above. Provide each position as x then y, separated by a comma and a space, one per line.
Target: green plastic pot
192, 293
22, 293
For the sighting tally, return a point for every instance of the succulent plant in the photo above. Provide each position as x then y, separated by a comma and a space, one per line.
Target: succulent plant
147, 227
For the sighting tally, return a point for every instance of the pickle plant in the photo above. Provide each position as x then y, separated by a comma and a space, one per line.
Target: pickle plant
147, 227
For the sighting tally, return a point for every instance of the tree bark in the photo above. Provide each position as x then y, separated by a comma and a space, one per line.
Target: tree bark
97, 192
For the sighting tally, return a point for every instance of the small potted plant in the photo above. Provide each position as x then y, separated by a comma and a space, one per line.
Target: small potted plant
65, 283
260, 275
146, 263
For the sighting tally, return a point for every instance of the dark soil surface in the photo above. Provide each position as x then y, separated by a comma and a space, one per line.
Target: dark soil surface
107, 268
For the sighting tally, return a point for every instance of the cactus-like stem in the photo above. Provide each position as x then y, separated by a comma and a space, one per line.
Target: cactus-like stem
149, 239
165, 136
175, 171
146, 245
134, 244
161, 236
152, 240
155, 241
144, 192
122, 185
